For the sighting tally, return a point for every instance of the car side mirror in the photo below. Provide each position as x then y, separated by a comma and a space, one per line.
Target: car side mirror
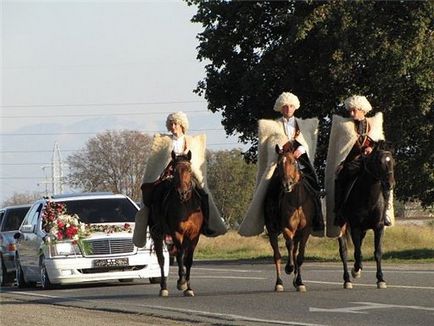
29, 228
17, 235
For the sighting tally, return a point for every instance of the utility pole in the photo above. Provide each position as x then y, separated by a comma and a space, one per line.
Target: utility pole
56, 171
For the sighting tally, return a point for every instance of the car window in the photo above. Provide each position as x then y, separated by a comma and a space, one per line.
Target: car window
1, 216
13, 218
107, 210
32, 215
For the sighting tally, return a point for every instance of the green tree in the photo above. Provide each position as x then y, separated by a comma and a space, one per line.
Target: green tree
231, 181
111, 161
324, 52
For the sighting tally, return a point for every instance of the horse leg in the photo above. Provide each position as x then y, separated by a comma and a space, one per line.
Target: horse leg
158, 243
273, 238
343, 252
357, 237
300, 243
181, 284
188, 263
378, 253
289, 267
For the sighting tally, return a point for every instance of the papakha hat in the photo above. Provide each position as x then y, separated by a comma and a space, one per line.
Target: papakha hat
286, 98
178, 117
358, 102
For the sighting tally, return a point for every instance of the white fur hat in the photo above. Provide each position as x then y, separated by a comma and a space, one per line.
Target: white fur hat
286, 98
178, 117
358, 102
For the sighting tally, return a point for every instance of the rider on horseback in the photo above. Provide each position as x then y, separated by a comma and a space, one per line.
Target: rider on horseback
286, 104
157, 180
177, 125
349, 169
303, 134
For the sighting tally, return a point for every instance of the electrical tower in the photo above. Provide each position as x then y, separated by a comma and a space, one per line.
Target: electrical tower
56, 171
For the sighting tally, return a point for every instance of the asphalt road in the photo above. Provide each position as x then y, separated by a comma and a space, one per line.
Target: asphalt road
243, 294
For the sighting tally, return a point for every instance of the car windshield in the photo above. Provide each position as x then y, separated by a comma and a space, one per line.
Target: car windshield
107, 210
13, 218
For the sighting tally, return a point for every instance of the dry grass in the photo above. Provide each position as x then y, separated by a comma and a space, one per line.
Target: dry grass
400, 242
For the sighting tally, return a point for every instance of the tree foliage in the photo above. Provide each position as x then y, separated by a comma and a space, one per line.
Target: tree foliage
111, 161
324, 52
231, 181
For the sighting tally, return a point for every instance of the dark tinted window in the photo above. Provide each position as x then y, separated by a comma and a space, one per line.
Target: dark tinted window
13, 218
109, 210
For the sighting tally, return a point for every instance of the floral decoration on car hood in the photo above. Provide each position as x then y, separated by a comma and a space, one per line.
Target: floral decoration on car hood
61, 226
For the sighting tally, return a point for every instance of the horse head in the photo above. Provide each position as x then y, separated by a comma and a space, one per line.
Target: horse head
380, 164
183, 181
287, 166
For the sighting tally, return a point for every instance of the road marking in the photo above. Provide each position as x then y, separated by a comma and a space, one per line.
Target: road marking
227, 270
231, 277
228, 316
375, 285
368, 306
35, 294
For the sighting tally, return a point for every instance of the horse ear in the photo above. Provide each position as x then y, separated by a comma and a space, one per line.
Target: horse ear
189, 155
278, 149
173, 155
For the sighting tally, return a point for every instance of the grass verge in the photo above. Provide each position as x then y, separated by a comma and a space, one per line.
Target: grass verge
400, 243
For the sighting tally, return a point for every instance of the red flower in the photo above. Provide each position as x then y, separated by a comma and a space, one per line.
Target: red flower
59, 235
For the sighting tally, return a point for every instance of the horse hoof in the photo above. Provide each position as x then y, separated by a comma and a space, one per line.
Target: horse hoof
356, 274
278, 288
182, 286
381, 285
164, 293
348, 285
301, 288
188, 293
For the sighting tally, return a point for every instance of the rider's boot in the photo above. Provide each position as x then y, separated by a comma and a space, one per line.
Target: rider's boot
339, 198
204, 206
318, 219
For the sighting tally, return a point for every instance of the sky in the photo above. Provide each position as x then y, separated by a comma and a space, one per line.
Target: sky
71, 69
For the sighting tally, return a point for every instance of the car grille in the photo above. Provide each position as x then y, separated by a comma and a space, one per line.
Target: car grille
110, 247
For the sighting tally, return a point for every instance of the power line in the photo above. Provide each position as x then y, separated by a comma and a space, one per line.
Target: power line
95, 132
98, 104
76, 150
92, 115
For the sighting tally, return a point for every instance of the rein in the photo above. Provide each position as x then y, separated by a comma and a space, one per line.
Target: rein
367, 161
184, 194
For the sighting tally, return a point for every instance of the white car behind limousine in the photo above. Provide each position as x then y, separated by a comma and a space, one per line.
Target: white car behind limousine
53, 249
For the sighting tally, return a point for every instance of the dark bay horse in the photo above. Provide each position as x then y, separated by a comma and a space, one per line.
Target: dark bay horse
178, 215
288, 208
365, 209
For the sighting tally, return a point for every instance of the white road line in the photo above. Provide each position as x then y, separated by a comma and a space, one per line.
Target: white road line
227, 270
374, 285
227, 316
368, 306
231, 277
36, 295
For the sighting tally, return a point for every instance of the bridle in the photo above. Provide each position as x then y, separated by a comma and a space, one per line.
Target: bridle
382, 177
288, 182
181, 166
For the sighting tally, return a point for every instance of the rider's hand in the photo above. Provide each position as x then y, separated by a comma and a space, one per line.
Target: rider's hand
298, 153
367, 151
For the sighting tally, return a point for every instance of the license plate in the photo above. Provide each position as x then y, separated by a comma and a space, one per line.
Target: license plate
111, 262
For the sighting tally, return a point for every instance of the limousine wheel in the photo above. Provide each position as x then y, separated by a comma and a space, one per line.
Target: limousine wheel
45, 281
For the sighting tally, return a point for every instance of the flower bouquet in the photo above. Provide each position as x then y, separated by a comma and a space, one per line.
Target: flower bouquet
61, 226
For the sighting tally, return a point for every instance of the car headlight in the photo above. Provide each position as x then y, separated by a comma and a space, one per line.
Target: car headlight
64, 249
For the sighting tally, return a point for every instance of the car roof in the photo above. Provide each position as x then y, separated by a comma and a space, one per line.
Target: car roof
16, 206
84, 195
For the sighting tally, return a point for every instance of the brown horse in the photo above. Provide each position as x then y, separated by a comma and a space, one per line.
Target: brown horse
178, 215
365, 209
288, 208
